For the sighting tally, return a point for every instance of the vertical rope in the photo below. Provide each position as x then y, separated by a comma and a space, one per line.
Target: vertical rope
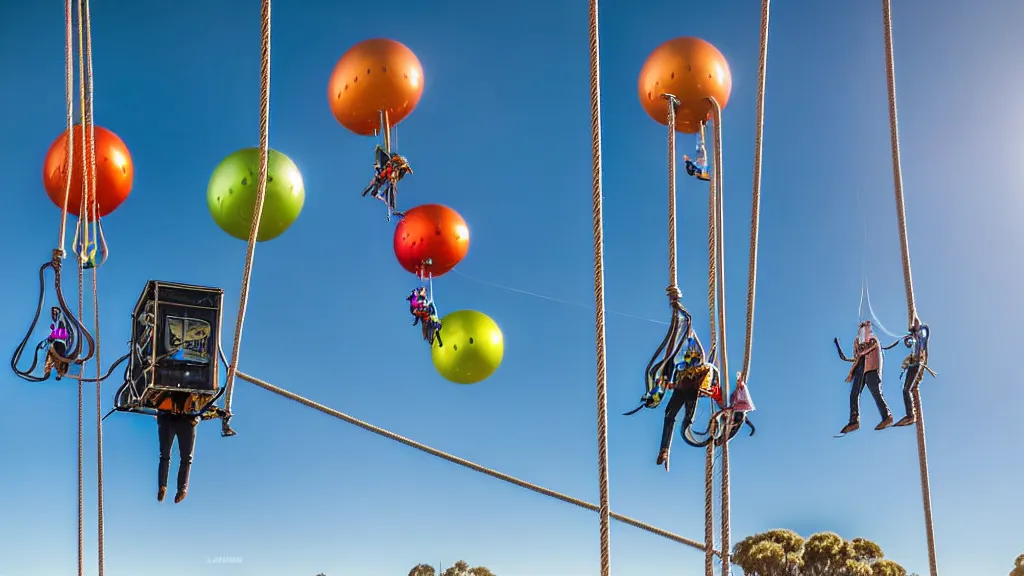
261, 192
81, 214
599, 320
709, 510
755, 202
93, 206
723, 356
673, 263
908, 280
69, 146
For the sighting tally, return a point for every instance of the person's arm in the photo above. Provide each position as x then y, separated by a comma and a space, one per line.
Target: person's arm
871, 347
839, 349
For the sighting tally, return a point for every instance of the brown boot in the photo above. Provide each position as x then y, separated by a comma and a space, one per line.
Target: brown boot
160, 493
907, 421
851, 427
663, 459
885, 423
180, 495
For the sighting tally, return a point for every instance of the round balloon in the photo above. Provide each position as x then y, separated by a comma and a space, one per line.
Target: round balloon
431, 239
690, 69
473, 347
231, 195
114, 171
374, 76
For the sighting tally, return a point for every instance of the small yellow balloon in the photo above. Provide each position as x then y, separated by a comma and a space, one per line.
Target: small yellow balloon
473, 347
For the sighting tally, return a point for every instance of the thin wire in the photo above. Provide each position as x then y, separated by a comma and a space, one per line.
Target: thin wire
908, 280
94, 206
552, 299
261, 193
604, 512
466, 463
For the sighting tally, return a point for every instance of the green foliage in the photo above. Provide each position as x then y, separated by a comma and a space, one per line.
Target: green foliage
461, 568
1018, 566
785, 553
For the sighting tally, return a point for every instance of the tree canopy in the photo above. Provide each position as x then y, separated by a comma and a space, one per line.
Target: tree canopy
1018, 566
460, 568
786, 553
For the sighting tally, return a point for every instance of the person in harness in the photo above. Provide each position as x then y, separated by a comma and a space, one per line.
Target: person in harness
178, 423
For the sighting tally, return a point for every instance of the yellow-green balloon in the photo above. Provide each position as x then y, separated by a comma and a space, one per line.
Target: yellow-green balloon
231, 195
473, 347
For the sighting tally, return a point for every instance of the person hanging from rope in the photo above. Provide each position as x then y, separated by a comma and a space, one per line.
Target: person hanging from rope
866, 371
693, 376
698, 166
56, 345
179, 423
388, 169
424, 314
914, 367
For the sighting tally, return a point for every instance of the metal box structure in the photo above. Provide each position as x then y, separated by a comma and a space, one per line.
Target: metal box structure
174, 348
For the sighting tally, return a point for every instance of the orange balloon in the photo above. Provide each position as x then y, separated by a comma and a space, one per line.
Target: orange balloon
373, 76
114, 171
690, 69
433, 233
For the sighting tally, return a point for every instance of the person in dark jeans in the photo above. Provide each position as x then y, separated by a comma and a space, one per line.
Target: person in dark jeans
178, 423
866, 371
914, 366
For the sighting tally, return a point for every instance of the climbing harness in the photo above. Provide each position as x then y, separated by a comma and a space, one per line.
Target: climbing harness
422, 306
389, 168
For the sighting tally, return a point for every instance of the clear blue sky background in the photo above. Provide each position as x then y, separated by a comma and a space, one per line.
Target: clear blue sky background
297, 492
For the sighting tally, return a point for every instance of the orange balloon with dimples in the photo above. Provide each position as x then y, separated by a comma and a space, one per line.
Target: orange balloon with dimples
690, 69
431, 240
374, 76
114, 171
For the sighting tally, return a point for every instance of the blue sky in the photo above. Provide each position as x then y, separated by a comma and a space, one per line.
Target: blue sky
298, 492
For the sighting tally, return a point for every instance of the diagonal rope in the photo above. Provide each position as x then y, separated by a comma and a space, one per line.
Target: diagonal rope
261, 193
908, 281
604, 512
466, 463
93, 211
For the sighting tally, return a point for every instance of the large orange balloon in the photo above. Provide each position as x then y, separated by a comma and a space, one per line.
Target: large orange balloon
375, 75
114, 171
691, 70
431, 233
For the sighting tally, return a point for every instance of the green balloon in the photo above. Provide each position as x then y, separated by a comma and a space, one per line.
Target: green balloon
231, 195
473, 347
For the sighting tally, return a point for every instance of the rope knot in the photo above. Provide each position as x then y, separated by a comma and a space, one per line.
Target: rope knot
57, 257
674, 294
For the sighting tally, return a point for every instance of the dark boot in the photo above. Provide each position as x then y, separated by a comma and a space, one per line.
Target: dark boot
907, 421
851, 427
663, 458
885, 423
161, 493
180, 495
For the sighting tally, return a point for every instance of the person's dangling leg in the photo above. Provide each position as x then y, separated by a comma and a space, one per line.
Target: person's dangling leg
165, 433
675, 403
856, 387
874, 384
437, 334
909, 384
186, 433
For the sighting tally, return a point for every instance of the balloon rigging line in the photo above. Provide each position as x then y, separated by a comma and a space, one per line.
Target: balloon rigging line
551, 298
865, 290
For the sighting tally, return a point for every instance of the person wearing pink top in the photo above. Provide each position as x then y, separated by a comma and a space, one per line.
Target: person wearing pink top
866, 371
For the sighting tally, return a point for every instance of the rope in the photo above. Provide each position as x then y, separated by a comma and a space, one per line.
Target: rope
69, 147
604, 512
908, 280
755, 202
723, 362
673, 264
466, 463
91, 151
261, 192
81, 214
709, 509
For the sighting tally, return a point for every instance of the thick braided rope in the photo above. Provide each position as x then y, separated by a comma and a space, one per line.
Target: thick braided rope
755, 201
908, 279
69, 98
261, 193
709, 461
94, 207
709, 510
723, 356
82, 213
466, 463
673, 263
604, 512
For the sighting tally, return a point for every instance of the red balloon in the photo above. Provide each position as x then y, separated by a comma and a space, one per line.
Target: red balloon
114, 171
431, 239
